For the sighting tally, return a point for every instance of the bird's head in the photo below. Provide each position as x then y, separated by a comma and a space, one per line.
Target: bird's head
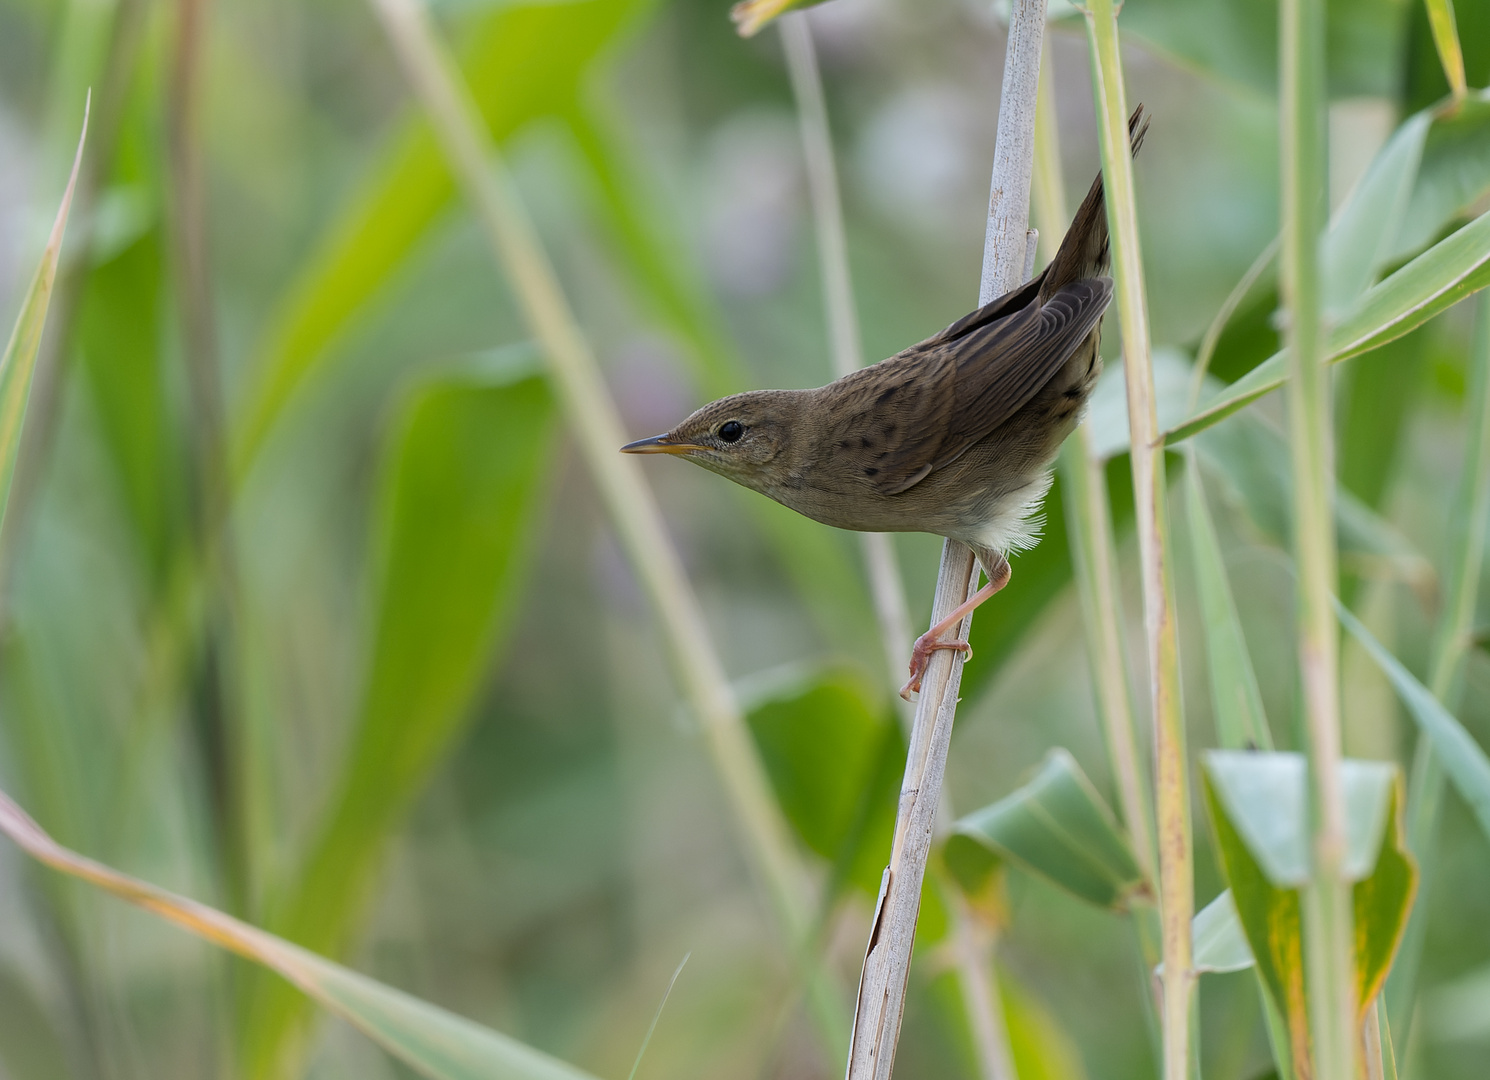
742, 437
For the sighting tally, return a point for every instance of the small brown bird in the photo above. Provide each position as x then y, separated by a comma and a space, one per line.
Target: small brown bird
953, 436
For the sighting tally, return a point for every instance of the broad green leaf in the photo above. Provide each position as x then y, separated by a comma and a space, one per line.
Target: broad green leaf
1356, 245
1257, 804
119, 342
524, 60
436, 1043
834, 753
1057, 826
1453, 175
1219, 941
1463, 758
1440, 277
1236, 697
122, 312
1266, 800
18, 362
462, 484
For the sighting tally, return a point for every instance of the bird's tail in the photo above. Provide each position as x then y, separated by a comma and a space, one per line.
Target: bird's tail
1083, 253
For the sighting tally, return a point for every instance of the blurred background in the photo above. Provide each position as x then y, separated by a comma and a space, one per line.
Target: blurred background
310, 608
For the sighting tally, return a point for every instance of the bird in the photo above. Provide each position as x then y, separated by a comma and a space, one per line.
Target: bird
953, 436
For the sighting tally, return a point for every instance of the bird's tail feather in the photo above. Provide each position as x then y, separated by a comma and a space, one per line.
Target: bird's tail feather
1083, 252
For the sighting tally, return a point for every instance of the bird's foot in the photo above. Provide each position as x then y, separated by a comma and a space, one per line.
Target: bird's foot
921, 652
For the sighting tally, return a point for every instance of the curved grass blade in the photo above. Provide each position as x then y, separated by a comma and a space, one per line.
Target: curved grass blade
1057, 826
1463, 758
1440, 277
438, 1044
1356, 245
18, 363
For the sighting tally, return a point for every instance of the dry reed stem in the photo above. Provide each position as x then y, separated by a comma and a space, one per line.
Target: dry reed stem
882, 986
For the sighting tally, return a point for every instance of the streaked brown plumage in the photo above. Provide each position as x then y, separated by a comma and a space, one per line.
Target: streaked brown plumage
953, 436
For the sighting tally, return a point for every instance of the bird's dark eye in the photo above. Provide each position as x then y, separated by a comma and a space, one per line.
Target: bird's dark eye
731, 430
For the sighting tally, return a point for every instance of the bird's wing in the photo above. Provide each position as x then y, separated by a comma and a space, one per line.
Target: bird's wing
923, 409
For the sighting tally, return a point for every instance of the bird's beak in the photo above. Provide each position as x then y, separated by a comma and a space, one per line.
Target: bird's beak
659, 444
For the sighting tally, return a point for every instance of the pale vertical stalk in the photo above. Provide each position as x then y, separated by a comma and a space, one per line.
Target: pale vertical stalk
1093, 543
633, 510
882, 985
1327, 914
971, 949
844, 342
1176, 871
1452, 641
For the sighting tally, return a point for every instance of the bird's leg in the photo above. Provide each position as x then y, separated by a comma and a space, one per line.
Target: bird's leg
930, 641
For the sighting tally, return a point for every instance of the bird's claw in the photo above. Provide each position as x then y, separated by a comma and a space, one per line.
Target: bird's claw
921, 656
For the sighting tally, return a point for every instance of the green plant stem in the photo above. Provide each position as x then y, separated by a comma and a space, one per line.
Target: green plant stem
1172, 796
1327, 913
1451, 644
882, 984
239, 787
632, 508
970, 947
1093, 542
1446, 41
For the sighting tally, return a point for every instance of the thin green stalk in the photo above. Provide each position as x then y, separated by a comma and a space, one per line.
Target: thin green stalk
632, 508
1451, 644
971, 951
1172, 796
1093, 543
1446, 41
235, 763
1327, 913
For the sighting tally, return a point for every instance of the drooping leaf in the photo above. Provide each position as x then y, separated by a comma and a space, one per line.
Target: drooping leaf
1257, 804
1356, 246
436, 1043
524, 61
1463, 759
834, 753
1454, 174
1057, 826
462, 485
1455, 267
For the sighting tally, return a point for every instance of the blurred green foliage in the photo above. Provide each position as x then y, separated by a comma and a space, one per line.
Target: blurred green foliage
453, 751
